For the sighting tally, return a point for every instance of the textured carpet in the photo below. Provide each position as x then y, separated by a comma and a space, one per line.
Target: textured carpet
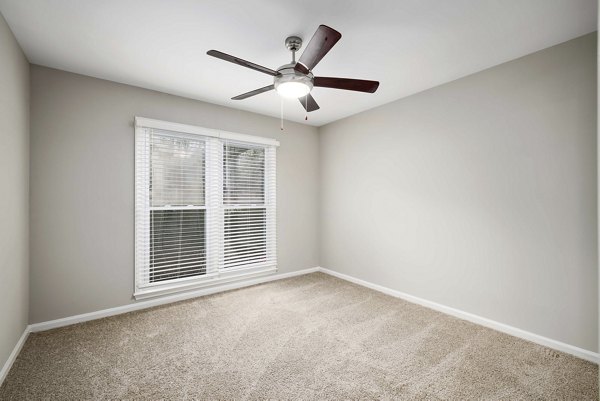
310, 337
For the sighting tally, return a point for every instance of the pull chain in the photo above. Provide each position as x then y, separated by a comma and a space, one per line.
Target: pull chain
281, 100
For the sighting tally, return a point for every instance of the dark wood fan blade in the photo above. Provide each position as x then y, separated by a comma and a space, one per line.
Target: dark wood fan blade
243, 63
254, 92
320, 44
359, 85
309, 103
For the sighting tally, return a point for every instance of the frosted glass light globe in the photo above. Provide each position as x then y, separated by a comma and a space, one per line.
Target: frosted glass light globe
293, 89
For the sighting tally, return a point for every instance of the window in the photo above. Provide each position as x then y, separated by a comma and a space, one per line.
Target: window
205, 206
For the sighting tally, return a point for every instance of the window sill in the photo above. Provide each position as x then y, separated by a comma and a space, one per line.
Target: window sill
203, 282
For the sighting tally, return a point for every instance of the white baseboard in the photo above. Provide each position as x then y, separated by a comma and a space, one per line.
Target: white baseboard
513, 331
52, 324
535, 338
13, 355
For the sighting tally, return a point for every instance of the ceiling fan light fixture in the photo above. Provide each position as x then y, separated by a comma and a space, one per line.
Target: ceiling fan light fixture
293, 89
291, 84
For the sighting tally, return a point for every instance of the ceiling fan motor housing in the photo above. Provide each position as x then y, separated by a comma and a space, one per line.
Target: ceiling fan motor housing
289, 74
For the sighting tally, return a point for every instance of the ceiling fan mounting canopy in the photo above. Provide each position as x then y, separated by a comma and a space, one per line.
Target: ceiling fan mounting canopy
296, 79
293, 43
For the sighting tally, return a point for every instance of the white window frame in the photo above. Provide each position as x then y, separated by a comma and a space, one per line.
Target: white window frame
214, 206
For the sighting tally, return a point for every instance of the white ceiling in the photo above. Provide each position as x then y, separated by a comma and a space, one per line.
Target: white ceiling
408, 45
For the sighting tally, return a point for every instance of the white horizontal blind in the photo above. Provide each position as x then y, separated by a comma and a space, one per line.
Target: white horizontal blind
205, 206
171, 225
248, 202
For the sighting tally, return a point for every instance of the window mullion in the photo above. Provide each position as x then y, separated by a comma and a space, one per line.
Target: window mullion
214, 200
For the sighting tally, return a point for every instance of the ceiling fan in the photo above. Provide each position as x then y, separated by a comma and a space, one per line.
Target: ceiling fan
296, 80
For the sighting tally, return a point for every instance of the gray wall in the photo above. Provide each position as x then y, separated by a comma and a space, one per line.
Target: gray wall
82, 186
14, 196
479, 194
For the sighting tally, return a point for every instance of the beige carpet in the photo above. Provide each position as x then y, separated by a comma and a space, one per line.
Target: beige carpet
310, 337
